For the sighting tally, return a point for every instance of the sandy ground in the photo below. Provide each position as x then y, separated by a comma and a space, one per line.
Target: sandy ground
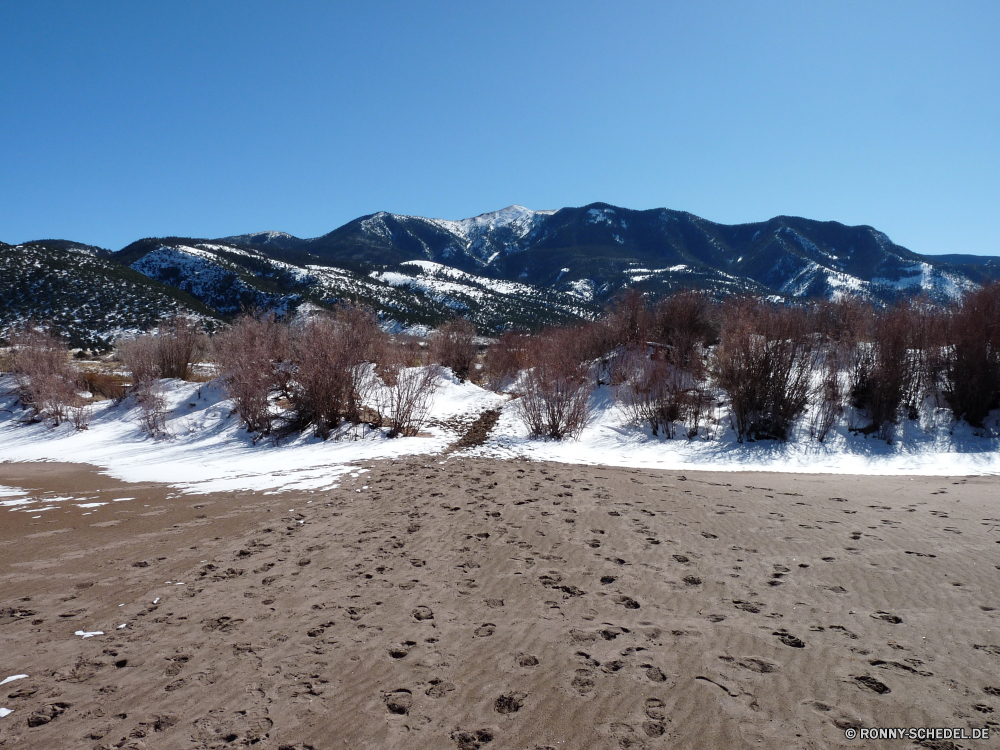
501, 604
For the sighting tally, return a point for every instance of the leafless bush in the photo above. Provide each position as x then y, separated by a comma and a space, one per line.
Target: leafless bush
178, 343
47, 380
685, 323
883, 371
556, 388
253, 356
167, 354
332, 358
396, 352
630, 319
107, 385
454, 346
972, 360
596, 340
828, 395
404, 403
658, 393
140, 356
80, 415
504, 359
152, 402
844, 320
764, 363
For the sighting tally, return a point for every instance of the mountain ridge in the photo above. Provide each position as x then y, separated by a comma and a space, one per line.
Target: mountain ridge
514, 267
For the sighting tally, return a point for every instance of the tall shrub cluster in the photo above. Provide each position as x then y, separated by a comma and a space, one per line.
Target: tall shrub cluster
764, 362
555, 387
324, 372
972, 365
169, 353
47, 379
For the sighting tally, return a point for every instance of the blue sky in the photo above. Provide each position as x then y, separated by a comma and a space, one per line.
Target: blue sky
127, 120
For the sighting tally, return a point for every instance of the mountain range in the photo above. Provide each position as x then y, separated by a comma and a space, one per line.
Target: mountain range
509, 268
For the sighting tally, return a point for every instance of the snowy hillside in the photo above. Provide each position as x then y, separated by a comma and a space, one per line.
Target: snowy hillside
91, 299
231, 278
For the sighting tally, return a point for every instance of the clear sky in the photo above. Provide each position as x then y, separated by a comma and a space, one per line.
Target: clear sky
123, 120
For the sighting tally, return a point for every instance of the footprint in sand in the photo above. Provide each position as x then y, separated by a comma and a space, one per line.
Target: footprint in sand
788, 639
439, 688
422, 613
870, 683
887, 617
509, 703
583, 681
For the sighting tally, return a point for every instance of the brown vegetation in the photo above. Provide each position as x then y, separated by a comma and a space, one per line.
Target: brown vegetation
47, 379
454, 346
972, 367
764, 362
555, 400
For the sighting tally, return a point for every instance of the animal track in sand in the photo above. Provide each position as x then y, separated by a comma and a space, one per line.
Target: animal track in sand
485, 630
467, 740
401, 650
754, 664
655, 674
399, 701
509, 703
583, 681
422, 613
439, 688
627, 601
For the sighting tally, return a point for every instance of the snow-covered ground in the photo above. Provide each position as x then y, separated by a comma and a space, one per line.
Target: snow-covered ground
934, 446
207, 451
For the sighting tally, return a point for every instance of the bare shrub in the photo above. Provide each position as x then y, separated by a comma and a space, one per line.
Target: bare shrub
504, 359
828, 395
685, 323
179, 340
167, 354
454, 346
595, 340
403, 404
397, 352
764, 362
332, 356
152, 402
652, 391
107, 385
140, 356
253, 356
844, 320
47, 380
80, 415
883, 371
630, 319
972, 361
555, 402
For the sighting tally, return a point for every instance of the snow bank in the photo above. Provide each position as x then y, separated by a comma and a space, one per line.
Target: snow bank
935, 446
206, 450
